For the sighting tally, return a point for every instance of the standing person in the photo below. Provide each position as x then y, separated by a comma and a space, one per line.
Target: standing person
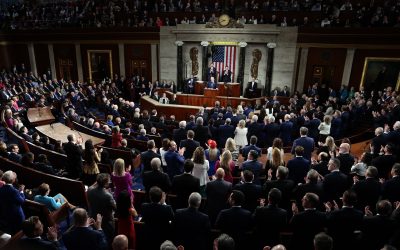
227, 75
227, 164
306, 142
325, 128
74, 151
90, 168
102, 202
174, 160
125, 214
212, 155
201, 167
121, 178
11, 213
116, 137
241, 134
184, 184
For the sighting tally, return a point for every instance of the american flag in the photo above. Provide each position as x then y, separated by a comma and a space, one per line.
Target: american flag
224, 56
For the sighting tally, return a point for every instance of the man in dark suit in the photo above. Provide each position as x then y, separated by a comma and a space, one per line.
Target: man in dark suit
345, 158
33, 230
306, 224
81, 236
321, 165
269, 220
14, 155
147, 156
251, 191
74, 152
385, 162
185, 184
156, 177
369, 190
271, 130
11, 214
286, 130
377, 230
201, 132
226, 75
391, 187
190, 85
235, 221
224, 132
254, 128
312, 126
306, 142
25, 135
191, 227
179, 134
189, 144
342, 223
282, 183
253, 165
298, 166
394, 136
211, 84
156, 217
174, 160
378, 141
211, 72
312, 185
251, 88
335, 183
251, 146
217, 192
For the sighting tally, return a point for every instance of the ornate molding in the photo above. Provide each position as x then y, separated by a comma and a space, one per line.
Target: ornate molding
271, 45
232, 24
179, 43
205, 43
242, 44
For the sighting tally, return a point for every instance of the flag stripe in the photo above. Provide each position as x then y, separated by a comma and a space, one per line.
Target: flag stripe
225, 56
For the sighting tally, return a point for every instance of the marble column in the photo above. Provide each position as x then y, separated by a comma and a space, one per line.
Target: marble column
270, 66
204, 67
79, 62
348, 64
242, 59
302, 70
32, 58
52, 61
179, 69
121, 57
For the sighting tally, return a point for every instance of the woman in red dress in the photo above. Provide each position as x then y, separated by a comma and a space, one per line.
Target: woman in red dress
125, 214
116, 137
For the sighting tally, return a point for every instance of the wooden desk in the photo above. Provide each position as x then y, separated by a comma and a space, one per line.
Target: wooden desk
210, 92
181, 112
59, 132
231, 89
40, 116
199, 87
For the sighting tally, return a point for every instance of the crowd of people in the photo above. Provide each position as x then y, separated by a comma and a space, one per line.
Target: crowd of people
216, 167
25, 15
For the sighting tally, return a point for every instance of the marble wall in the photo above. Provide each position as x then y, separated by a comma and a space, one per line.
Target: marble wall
256, 36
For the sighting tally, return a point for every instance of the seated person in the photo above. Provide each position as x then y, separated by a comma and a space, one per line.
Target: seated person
52, 203
142, 135
190, 85
164, 99
251, 88
212, 84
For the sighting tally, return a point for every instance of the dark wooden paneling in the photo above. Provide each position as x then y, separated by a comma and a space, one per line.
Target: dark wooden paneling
42, 58
358, 62
14, 54
138, 52
334, 58
114, 52
65, 52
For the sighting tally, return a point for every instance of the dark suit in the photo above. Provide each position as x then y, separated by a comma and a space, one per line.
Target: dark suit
36, 244
321, 168
252, 193
312, 126
224, 132
156, 178
384, 163
298, 168
376, 231
217, 192
391, 189
183, 185
235, 222
74, 155
377, 142
190, 146
212, 85
246, 150
286, 132
305, 226
336, 128
157, 228
334, 185
27, 137
346, 162
341, 226
307, 143
179, 135
271, 131
201, 134
174, 163
227, 76
254, 128
255, 167
285, 186
190, 86
14, 157
11, 214
368, 192
146, 158
310, 187
269, 222
192, 229
81, 238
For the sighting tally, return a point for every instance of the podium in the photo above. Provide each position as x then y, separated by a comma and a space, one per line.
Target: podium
224, 89
211, 92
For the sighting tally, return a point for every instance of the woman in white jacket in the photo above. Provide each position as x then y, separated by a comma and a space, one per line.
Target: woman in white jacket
325, 128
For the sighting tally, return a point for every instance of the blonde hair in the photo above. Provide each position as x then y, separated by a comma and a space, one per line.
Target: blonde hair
330, 142
119, 167
242, 123
276, 159
327, 119
213, 154
230, 145
226, 159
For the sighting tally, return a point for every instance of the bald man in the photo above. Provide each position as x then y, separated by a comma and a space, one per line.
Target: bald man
120, 242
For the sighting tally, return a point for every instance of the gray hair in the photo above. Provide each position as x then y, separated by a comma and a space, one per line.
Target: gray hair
194, 200
9, 177
182, 124
199, 120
